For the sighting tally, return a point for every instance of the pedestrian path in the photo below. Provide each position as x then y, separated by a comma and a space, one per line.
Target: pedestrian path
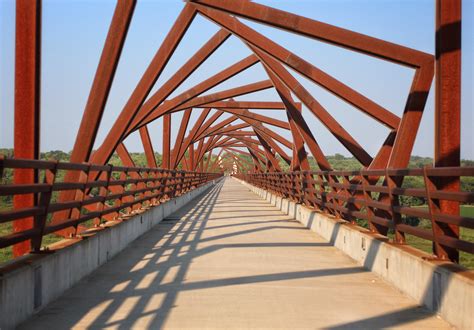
231, 260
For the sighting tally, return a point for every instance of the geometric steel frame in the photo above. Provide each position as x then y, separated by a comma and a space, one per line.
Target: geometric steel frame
264, 145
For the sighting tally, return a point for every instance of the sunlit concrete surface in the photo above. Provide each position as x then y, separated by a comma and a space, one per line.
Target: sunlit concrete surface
230, 260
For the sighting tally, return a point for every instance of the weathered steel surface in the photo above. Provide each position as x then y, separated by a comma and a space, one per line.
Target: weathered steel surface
27, 106
448, 112
232, 135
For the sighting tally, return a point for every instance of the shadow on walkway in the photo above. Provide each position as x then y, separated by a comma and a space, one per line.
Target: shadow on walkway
140, 286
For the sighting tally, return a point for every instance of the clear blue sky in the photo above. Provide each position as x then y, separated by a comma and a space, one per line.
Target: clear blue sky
74, 33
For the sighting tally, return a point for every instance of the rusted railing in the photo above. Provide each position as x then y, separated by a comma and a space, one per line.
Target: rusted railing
377, 196
104, 192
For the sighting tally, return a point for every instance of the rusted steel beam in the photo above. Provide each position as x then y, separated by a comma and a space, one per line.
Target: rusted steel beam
237, 150
200, 88
216, 141
191, 156
265, 132
232, 130
124, 156
206, 166
269, 154
300, 157
127, 161
305, 68
238, 133
256, 161
207, 124
189, 141
219, 126
216, 161
296, 119
98, 95
257, 117
406, 134
199, 154
181, 75
192, 134
179, 139
448, 114
250, 120
244, 138
166, 153
148, 147
102, 81
207, 144
232, 143
27, 107
448, 83
380, 161
245, 114
265, 139
236, 159
317, 109
261, 105
232, 92
151, 75
320, 31
184, 164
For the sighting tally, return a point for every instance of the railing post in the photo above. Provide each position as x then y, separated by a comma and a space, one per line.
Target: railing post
393, 203
103, 192
44, 201
26, 142
448, 112
439, 229
368, 209
347, 192
332, 179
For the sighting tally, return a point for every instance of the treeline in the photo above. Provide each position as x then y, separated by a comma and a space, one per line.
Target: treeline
337, 161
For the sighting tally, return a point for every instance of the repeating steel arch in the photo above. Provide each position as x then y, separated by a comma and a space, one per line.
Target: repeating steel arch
143, 108
264, 145
233, 135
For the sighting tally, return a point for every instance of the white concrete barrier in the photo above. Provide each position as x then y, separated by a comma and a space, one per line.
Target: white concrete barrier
443, 287
28, 284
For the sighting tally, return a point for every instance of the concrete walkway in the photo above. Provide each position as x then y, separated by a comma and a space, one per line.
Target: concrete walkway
230, 260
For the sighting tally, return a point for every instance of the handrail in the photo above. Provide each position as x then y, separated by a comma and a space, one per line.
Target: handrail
104, 192
376, 197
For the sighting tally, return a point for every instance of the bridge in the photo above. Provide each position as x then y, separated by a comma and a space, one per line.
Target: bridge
244, 223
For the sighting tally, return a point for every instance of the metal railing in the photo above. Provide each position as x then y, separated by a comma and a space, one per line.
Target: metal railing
377, 197
104, 192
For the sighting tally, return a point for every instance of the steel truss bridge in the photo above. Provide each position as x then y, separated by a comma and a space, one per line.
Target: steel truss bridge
93, 193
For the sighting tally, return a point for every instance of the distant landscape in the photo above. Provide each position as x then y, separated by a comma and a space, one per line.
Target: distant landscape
337, 161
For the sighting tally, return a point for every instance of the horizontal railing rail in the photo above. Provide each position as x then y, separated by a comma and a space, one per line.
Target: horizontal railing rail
376, 197
103, 192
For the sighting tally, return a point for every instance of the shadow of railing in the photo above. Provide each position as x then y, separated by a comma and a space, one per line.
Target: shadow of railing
144, 288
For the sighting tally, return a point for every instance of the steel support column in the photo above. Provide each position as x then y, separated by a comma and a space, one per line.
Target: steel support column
148, 147
448, 112
27, 105
165, 162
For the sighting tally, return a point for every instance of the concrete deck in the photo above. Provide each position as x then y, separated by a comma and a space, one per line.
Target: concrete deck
230, 260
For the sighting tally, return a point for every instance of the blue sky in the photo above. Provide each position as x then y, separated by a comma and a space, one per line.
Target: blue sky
74, 33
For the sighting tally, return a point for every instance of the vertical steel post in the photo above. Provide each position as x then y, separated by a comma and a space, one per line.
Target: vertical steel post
448, 111
165, 163
191, 157
148, 146
27, 105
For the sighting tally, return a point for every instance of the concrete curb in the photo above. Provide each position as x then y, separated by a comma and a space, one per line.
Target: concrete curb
40, 279
444, 288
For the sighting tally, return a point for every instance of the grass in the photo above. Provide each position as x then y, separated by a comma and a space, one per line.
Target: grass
6, 228
465, 259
